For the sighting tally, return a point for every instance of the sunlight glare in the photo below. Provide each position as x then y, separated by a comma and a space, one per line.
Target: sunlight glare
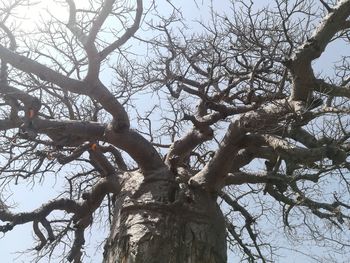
30, 16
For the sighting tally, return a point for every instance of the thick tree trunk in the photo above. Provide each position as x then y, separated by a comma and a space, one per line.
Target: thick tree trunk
158, 221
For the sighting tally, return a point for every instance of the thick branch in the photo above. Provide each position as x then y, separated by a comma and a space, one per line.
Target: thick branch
31, 66
94, 89
74, 133
67, 205
304, 155
300, 64
110, 104
69, 133
28, 100
212, 175
136, 146
127, 35
9, 124
238, 178
331, 89
62, 159
88, 42
100, 161
118, 158
181, 148
101, 18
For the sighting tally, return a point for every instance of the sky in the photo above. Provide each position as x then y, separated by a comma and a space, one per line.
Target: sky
21, 237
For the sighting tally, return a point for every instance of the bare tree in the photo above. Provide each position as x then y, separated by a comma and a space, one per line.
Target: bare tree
211, 134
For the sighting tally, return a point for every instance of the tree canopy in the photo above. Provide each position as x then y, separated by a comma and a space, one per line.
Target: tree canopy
229, 100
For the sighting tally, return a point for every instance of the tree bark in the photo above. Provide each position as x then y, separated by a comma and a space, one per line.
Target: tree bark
159, 220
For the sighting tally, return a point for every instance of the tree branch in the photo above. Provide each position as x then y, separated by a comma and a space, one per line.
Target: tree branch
181, 148
137, 147
300, 64
82, 214
212, 175
95, 89
127, 35
31, 66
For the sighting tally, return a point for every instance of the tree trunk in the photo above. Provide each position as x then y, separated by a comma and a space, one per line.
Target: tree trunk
159, 221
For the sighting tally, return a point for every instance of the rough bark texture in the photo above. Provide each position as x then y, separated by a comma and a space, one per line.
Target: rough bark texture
156, 221
230, 101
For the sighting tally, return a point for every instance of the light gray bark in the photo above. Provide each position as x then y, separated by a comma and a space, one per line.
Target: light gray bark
156, 223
